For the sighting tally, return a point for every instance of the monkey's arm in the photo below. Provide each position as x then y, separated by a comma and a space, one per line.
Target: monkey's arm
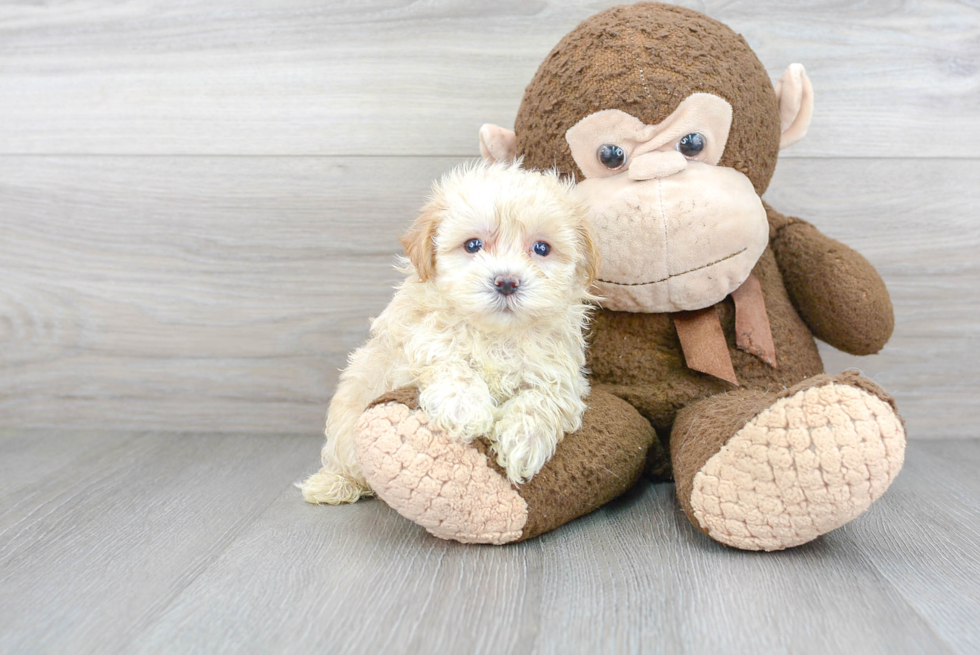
837, 291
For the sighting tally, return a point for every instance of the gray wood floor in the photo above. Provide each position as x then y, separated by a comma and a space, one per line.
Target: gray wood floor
183, 542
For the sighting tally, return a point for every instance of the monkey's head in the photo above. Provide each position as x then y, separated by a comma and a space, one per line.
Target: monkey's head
671, 127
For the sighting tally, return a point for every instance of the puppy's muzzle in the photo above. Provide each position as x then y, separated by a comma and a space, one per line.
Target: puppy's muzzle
506, 284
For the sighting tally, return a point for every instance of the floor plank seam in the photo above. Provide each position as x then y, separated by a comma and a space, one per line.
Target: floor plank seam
53, 504
908, 603
154, 615
940, 462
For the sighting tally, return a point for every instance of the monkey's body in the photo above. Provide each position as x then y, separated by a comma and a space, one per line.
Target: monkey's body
638, 357
771, 453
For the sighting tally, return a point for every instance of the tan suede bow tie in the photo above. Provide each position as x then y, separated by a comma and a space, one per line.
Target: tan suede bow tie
703, 340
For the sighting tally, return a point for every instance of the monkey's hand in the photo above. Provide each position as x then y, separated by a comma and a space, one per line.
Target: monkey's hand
838, 292
459, 402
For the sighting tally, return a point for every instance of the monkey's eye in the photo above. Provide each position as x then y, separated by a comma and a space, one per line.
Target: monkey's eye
691, 145
611, 156
473, 245
541, 248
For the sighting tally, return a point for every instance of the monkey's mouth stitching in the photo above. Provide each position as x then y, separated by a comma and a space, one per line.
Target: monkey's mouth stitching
640, 284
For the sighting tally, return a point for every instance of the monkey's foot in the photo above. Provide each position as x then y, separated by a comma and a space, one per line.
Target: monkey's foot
804, 465
443, 485
458, 491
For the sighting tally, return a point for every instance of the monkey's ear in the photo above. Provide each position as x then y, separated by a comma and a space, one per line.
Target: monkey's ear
795, 95
420, 242
497, 143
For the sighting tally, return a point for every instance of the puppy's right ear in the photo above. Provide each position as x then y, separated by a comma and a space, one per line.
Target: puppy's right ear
420, 242
497, 143
591, 258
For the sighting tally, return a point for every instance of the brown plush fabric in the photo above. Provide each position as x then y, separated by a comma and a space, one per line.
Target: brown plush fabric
777, 221
839, 294
652, 56
638, 356
752, 331
408, 396
591, 467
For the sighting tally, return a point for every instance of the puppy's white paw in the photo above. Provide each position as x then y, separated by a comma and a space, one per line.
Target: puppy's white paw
464, 410
524, 442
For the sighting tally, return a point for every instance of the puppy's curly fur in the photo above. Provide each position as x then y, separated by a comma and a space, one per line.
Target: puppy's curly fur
487, 362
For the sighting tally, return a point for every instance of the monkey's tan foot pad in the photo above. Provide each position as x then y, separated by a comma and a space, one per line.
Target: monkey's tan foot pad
445, 486
804, 466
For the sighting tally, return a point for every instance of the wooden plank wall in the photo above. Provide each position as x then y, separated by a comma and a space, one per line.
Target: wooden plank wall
200, 202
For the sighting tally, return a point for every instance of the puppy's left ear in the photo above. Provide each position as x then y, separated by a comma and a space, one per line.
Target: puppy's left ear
589, 266
420, 242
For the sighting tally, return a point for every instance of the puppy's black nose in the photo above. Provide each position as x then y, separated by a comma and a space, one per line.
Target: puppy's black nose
506, 284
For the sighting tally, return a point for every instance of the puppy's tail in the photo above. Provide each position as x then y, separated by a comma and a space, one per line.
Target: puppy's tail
331, 488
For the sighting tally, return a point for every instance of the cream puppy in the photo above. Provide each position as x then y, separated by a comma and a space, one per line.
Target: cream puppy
488, 325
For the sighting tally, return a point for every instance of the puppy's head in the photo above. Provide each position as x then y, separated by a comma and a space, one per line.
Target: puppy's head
504, 246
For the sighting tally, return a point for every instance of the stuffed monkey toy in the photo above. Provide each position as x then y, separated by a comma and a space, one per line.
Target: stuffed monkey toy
703, 364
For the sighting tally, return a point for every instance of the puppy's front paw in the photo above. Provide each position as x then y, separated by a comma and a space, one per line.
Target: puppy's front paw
463, 410
524, 442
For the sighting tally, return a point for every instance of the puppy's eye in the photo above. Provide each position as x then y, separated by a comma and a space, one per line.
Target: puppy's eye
541, 248
611, 156
691, 145
473, 245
